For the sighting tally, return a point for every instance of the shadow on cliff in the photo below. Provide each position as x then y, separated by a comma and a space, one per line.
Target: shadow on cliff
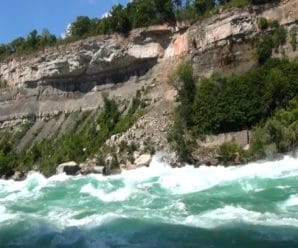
86, 82
137, 233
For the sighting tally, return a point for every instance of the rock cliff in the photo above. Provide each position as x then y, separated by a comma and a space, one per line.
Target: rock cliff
225, 42
70, 78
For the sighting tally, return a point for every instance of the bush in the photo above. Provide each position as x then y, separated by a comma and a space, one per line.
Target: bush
179, 140
228, 151
77, 146
278, 134
183, 80
264, 48
232, 103
267, 42
279, 37
148, 147
225, 104
263, 23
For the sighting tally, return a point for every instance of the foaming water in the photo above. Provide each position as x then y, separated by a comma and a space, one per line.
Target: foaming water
243, 206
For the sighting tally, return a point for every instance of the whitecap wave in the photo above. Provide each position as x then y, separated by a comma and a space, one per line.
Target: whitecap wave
189, 179
63, 218
5, 215
291, 202
121, 194
238, 215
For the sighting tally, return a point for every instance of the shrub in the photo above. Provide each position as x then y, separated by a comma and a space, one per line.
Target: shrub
233, 103
183, 80
263, 23
225, 104
179, 140
278, 134
264, 48
228, 151
279, 37
178, 136
148, 147
267, 42
77, 146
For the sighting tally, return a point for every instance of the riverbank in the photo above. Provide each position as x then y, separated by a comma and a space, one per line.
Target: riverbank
73, 168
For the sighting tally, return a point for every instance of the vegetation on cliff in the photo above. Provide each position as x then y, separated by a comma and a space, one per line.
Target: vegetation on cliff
224, 104
277, 134
262, 99
274, 36
121, 19
79, 144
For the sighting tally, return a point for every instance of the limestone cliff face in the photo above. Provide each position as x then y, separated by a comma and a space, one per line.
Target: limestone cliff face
102, 59
71, 77
224, 43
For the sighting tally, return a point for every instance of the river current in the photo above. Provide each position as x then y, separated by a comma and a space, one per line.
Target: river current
253, 205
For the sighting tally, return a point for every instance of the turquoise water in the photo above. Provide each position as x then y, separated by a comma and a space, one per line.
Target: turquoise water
254, 205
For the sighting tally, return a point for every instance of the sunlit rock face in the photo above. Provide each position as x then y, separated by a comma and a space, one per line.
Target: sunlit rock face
71, 77
225, 42
94, 59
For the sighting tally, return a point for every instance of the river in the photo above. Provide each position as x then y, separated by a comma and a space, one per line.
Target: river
253, 205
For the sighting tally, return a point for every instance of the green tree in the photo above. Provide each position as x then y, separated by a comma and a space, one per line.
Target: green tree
202, 6
165, 10
186, 92
80, 27
46, 38
278, 134
119, 21
277, 86
141, 13
17, 45
264, 48
32, 40
279, 36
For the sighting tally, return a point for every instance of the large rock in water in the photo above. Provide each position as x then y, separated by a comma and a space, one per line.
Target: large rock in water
18, 176
70, 168
143, 160
90, 168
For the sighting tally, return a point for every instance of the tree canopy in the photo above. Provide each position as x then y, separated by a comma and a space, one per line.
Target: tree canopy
121, 19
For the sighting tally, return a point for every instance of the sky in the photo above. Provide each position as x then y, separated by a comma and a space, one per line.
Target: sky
19, 17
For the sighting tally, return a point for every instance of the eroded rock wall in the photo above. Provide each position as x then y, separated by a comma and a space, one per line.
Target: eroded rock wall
225, 42
71, 77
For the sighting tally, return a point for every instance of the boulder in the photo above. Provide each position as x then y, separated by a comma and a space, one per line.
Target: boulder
129, 166
70, 168
115, 171
86, 169
143, 160
18, 176
136, 155
109, 172
91, 167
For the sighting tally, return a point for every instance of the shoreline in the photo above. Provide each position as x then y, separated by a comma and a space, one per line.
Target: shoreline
22, 176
